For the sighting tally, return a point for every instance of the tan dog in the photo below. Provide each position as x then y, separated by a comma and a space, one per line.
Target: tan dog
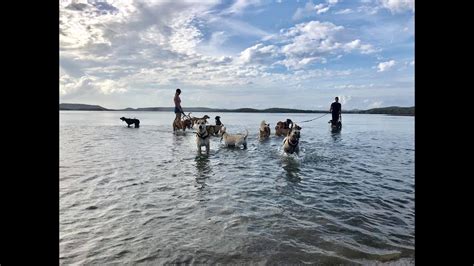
202, 136
234, 140
264, 130
291, 142
282, 128
195, 119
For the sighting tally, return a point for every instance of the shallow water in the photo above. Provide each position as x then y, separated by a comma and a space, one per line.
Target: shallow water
145, 196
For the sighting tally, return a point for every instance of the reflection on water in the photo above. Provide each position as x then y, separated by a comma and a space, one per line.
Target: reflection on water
292, 167
203, 169
336, 135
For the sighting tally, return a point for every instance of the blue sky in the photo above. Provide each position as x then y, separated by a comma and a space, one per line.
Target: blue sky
244, 53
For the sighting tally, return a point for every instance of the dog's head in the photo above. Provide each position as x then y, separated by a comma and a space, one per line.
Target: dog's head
264, 126
294, 133
187, 123
122, 118
201, 125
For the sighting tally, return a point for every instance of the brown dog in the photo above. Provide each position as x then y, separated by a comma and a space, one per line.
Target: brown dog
183, 124
282, 128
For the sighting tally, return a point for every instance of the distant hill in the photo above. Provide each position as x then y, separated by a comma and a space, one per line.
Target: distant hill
392, 110
81, 107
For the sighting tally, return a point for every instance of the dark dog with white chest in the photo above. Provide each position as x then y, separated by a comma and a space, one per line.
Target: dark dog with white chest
290, 143
130, 121
214, 129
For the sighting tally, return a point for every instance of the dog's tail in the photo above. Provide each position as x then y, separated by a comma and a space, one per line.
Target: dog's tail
246, 135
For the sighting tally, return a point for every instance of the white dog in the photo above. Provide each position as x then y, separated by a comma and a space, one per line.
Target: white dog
264, 130
291, 141
202, 136
234, 140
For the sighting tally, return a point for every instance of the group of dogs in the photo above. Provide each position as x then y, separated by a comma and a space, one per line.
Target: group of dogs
288, 129
204, 132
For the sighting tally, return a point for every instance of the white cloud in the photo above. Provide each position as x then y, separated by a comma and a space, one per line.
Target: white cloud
321, 8
343, 11
398, 6
240, 5
238, 27
311, 9
344, 99
88, 84
412, 63
185, 36
384, 66
139, 48
376, 104
368, 9
258, 54
316, 40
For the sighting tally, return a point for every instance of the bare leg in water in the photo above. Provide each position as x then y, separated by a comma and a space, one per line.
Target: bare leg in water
177, 119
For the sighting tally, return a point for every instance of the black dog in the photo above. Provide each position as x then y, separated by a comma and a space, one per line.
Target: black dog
130, 121
218, 121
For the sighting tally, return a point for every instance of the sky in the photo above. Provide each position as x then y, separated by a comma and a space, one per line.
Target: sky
232, 54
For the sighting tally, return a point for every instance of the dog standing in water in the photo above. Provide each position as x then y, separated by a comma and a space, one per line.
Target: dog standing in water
234, 140
214, 129
291, 141
264, 130
202, 136
130, 121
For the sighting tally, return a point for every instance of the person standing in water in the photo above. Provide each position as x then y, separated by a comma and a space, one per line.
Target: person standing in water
336, 111
178, 110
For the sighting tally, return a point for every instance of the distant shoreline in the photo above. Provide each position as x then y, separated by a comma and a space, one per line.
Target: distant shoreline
392, 110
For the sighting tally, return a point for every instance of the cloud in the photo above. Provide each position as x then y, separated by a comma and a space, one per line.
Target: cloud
398, 6
344, 99
258, 54
237, 27
123, 52
240, 5
376, 104
311, 9
343, 11
384, 66
88, 84
315, 40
